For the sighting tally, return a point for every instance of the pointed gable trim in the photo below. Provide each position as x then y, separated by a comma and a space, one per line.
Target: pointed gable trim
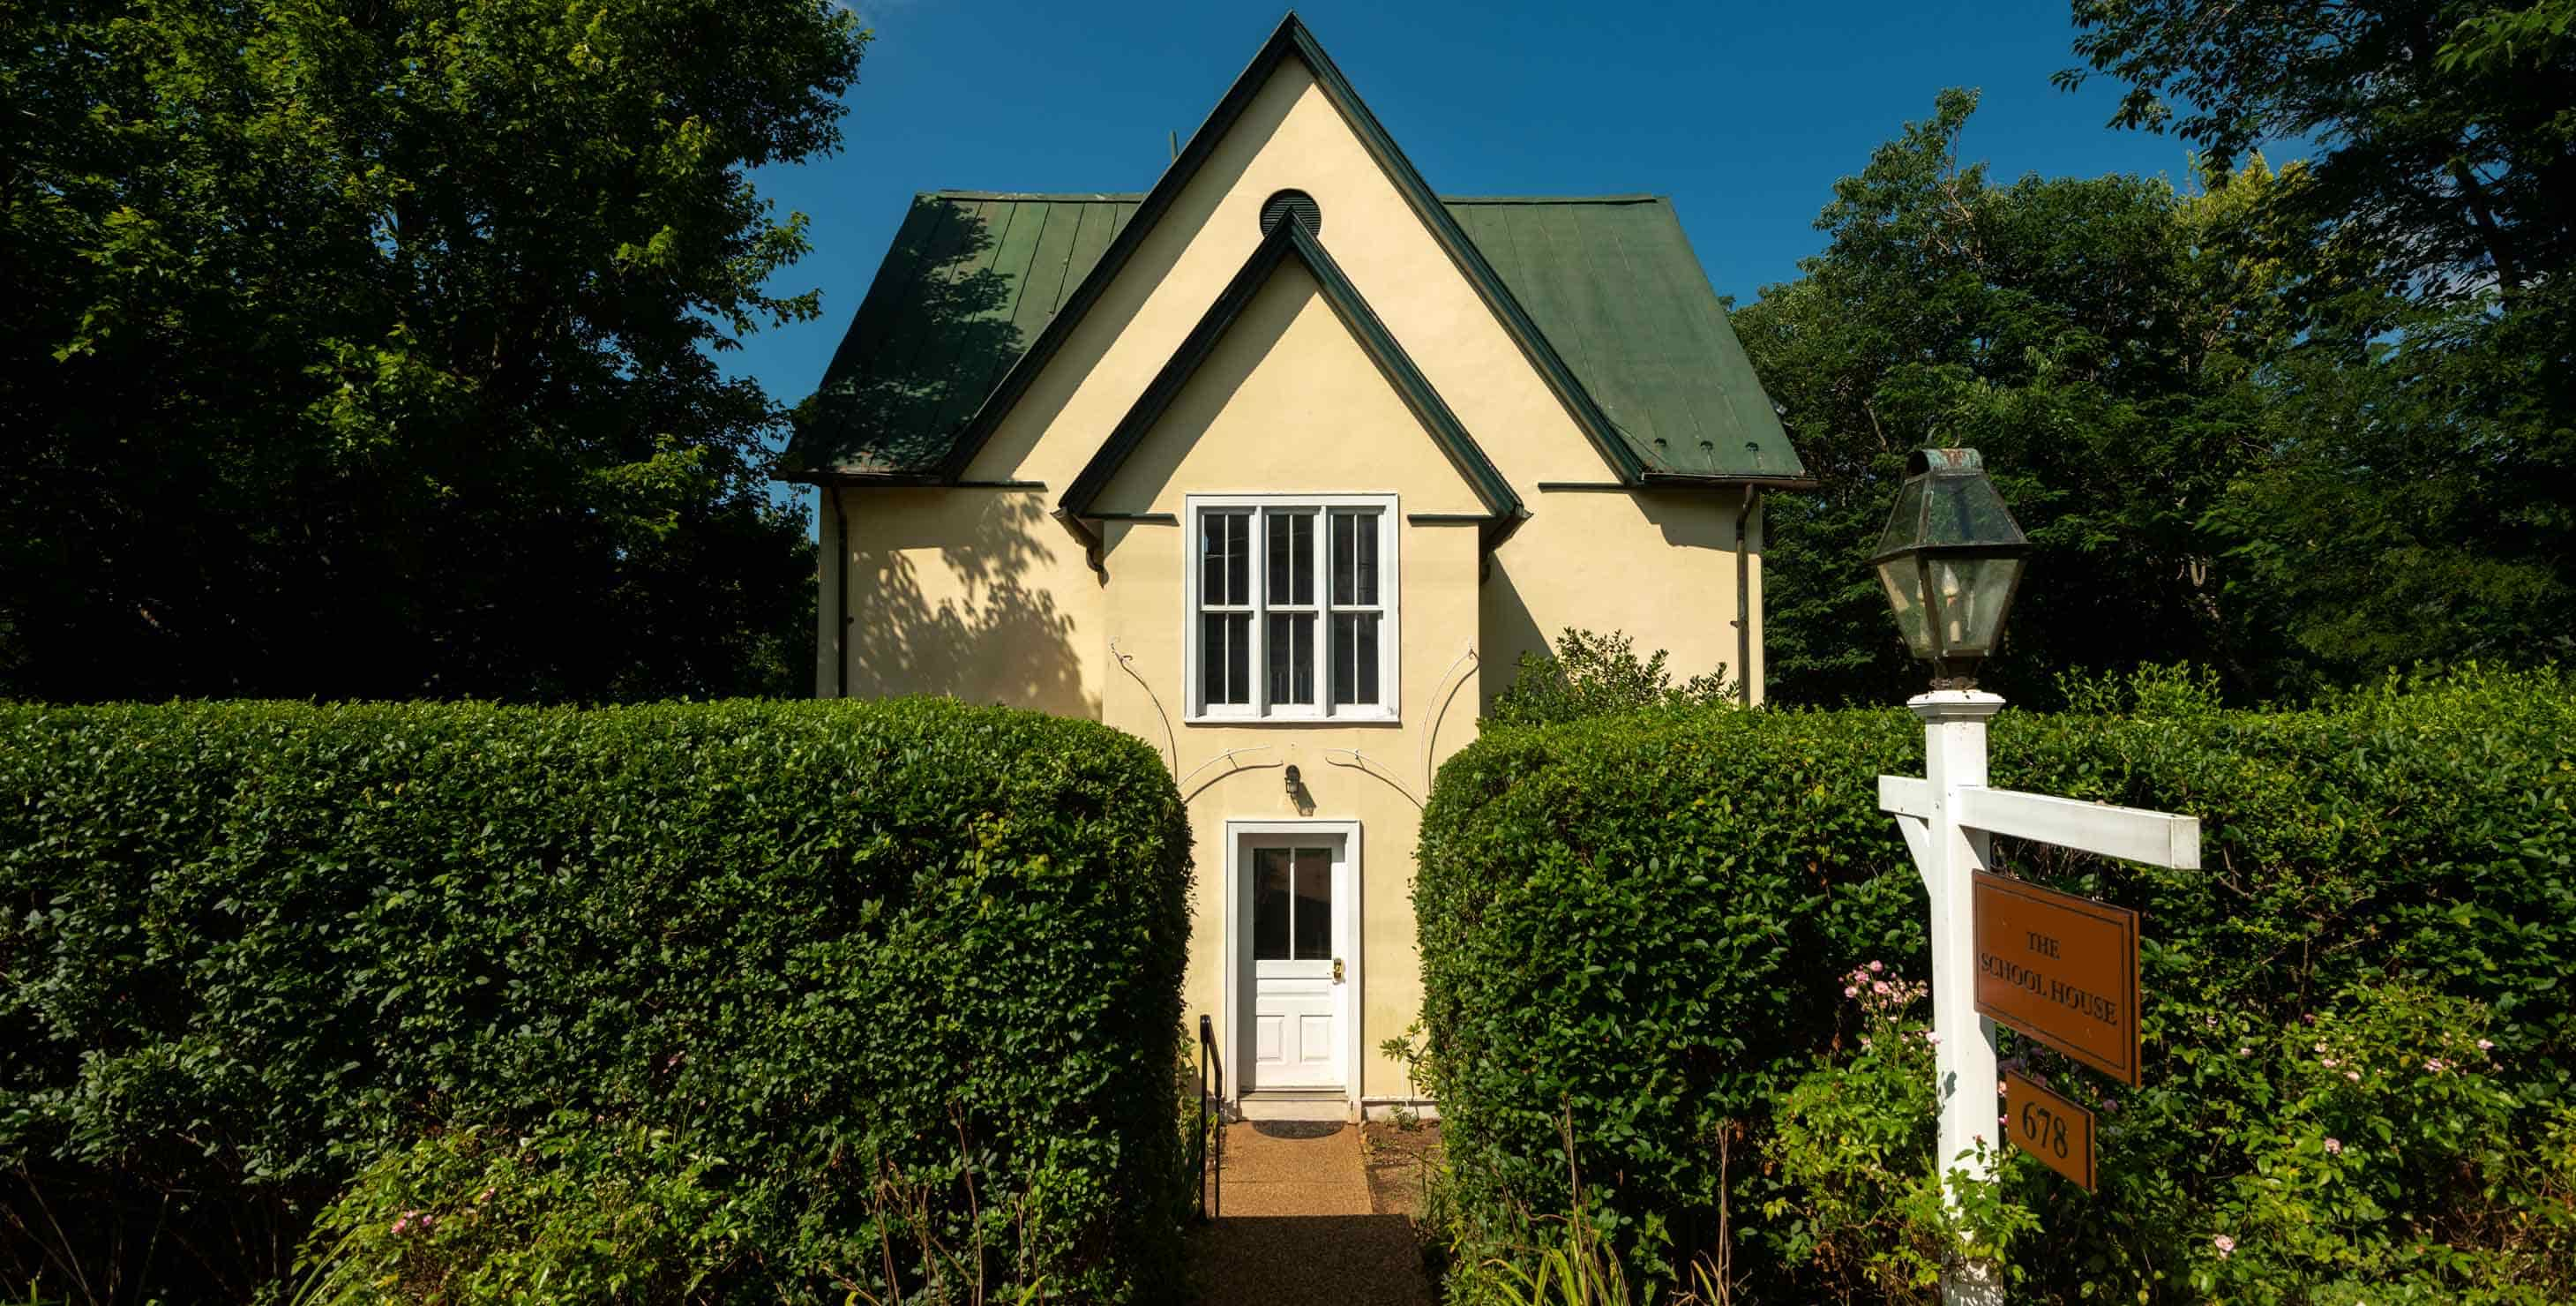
1292, 39
1285, 241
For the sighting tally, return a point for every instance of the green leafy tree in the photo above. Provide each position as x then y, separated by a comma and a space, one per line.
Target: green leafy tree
2415, 503
2098, 338
368, 349
2447, 149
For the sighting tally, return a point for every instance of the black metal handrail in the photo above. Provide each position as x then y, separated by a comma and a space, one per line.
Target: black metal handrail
1211, 1177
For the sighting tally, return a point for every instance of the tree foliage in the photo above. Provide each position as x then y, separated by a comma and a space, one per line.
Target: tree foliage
367, 349
2083, 333
1593, 675
2447, 150
2228, 443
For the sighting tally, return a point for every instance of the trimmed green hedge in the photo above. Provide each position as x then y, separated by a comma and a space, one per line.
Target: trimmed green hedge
846, 952
1643, 924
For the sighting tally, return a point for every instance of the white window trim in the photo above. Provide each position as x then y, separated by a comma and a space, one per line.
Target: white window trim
1390, 643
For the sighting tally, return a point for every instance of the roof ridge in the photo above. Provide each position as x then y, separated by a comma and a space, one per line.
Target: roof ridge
1557, 199
1057, 197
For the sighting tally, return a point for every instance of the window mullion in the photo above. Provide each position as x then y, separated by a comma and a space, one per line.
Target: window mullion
1258, 529
1324, 699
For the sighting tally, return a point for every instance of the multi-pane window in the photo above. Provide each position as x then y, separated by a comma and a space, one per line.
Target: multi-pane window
1291, 604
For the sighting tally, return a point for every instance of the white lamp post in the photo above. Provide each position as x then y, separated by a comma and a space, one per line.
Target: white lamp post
1951, 561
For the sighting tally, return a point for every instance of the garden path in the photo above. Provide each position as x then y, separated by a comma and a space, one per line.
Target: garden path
1297, 1226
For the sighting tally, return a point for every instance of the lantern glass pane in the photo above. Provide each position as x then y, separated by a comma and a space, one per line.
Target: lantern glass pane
1968, 597
1966, 510
1903, 582
1905, 523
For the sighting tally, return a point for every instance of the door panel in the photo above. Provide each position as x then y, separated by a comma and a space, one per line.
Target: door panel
1300, 936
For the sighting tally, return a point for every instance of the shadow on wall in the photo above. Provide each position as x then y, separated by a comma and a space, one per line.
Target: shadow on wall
982, 624
949, 590
1509, 632
1147, 267
1702, 523
1246, 346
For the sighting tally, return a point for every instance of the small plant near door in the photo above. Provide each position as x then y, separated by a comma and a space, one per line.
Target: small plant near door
1570, 1260
1411, 1049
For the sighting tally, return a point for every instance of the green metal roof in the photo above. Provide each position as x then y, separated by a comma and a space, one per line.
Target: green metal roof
974, 277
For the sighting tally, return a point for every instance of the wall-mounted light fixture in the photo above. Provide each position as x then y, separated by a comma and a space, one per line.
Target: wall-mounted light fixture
1292, 779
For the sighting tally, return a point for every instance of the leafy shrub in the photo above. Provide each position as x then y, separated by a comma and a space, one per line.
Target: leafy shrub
1596, 675
251, 948
585, 1214
1852, 1142
1643, 920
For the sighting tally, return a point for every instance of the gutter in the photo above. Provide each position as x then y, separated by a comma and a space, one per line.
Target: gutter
841, 564
1690, 481
1744, 596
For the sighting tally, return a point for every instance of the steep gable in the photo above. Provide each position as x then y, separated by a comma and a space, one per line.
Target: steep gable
1290, 245
1657, 381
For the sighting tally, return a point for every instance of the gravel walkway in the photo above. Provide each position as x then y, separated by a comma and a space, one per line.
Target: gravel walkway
1295, 1226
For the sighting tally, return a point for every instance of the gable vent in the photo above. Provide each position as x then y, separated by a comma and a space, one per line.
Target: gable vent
1296, 203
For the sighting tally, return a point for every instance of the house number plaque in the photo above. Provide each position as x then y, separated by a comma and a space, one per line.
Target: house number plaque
2049, 1127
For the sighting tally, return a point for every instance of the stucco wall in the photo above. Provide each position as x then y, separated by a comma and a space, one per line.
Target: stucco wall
981, 594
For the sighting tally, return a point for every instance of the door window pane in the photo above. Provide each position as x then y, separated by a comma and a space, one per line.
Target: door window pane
1314, 922
1355, 657
1270, 904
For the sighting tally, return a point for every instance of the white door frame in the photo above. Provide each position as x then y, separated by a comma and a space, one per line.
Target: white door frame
1235, 988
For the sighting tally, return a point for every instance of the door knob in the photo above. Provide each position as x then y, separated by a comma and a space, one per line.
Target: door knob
1337, 970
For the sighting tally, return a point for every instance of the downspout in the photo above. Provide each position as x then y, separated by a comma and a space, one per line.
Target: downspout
841, 632
1744, 598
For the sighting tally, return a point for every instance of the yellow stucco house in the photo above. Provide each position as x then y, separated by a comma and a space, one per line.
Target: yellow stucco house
1280, 466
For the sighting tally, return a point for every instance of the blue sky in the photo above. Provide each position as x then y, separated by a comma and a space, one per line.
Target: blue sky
1744, 114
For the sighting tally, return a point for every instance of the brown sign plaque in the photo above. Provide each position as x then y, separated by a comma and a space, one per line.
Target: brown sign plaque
2060, 969
2049, 1127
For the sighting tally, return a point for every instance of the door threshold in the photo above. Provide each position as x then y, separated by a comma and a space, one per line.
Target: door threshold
1293, 1104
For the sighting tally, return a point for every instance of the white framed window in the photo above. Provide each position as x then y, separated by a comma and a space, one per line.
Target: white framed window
1291, 607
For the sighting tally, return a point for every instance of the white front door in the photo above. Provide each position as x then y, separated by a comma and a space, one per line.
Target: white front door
1302, 935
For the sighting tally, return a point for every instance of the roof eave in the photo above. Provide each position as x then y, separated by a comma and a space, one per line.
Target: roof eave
1654, 480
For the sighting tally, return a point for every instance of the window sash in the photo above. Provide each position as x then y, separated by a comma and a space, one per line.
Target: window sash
1307, 635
